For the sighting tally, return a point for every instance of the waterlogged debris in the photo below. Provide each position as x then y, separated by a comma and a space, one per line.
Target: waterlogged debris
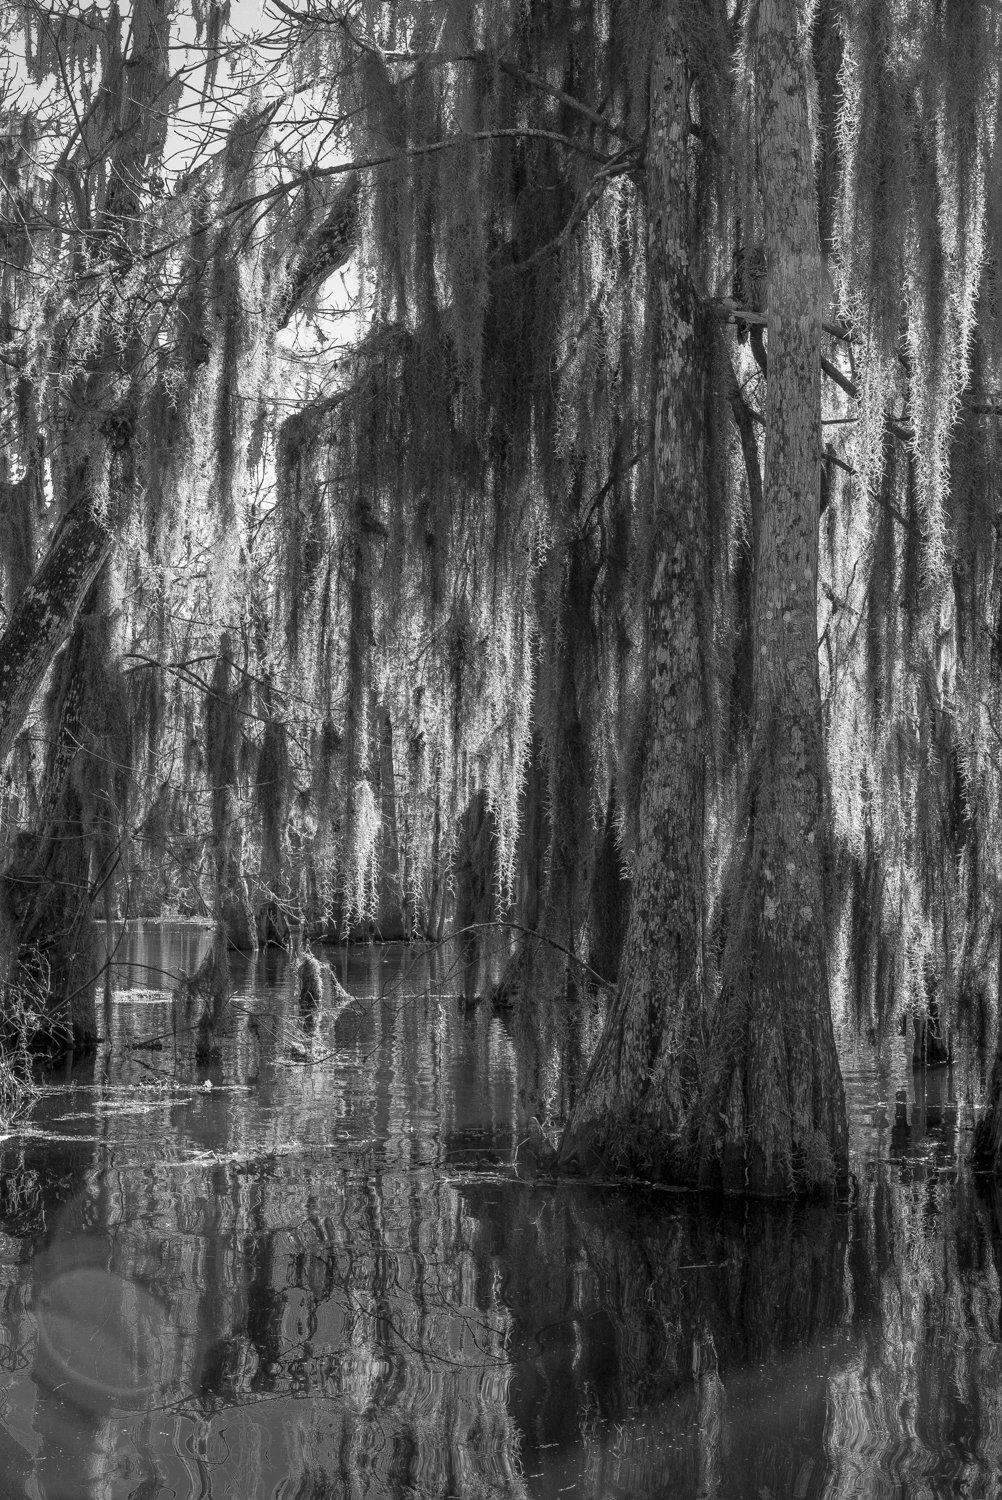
50, 1137
123, 1107
141, 997
297, 1052
249, 1157
534, 1155
159, 1084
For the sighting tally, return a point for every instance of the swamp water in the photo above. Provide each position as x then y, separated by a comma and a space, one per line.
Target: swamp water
281, 1263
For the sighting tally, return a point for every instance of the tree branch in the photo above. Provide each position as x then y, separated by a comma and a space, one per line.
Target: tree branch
729, 312
618, 167
47, 611
512, 70
424, 148
326, 250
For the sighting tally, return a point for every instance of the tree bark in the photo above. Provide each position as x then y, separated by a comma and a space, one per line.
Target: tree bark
772, 1119
233, 909
635, 1100
49, 881
609, 899
47, 610
322, 252
272, 913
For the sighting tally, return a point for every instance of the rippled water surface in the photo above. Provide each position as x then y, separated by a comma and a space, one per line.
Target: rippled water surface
248, 1259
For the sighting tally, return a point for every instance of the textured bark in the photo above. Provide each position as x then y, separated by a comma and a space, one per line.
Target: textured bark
48, 880
48, 608
568, 687
610, 899
773, 1116
272, 916
633, 1106
233, 909
324, 251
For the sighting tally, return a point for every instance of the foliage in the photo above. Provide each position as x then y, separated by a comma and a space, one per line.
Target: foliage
414, 508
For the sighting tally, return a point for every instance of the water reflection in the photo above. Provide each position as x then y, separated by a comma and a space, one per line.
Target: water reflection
296, 1263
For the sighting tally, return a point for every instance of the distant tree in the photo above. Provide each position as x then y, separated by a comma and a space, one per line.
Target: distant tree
140, 330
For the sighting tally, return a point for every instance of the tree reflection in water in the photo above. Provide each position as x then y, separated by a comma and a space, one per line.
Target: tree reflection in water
319, 1277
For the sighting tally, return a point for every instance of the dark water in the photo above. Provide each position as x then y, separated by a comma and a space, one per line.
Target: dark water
259, 1262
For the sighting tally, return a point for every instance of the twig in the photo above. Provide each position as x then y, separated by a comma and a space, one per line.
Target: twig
607, 984
617, 473
730, 312
618, 167
407, 55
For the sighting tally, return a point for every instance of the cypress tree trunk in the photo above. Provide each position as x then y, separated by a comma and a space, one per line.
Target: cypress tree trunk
633, 1105
273, 780
773, 1113
610, 899
48, 881
986, 1153
234, 912
47, 609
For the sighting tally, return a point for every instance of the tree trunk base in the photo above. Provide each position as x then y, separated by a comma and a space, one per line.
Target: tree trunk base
772, 1120
273, 929
629, 1145
236, 918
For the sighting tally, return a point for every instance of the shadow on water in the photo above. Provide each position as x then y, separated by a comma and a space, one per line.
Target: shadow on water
297, 1263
